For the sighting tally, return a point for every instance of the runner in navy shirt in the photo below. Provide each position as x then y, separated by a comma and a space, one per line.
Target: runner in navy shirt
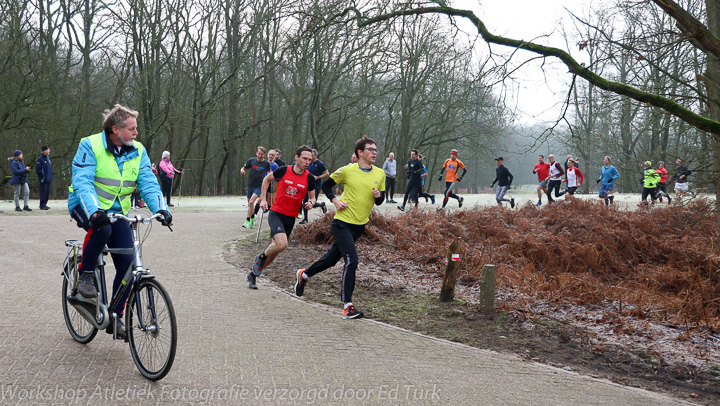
259, 167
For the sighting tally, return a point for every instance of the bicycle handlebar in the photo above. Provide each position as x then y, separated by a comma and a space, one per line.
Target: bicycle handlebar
136, 219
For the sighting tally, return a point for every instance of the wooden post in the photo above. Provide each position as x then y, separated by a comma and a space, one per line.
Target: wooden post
447, 292
487, 289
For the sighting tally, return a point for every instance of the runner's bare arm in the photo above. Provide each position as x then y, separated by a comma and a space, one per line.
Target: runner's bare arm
263, 191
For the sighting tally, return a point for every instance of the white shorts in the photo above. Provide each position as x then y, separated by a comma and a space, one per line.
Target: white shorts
683, 187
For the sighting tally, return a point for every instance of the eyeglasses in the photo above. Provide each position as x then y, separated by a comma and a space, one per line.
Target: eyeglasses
371, 149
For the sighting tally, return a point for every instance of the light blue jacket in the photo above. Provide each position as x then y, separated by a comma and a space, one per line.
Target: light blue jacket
609, 174
83, 179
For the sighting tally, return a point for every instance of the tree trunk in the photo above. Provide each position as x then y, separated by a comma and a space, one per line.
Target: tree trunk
713, 91
447, 292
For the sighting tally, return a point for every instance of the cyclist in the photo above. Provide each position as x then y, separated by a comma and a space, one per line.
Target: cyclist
105, 171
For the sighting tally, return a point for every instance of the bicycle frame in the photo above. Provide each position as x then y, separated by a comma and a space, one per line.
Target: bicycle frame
135, 272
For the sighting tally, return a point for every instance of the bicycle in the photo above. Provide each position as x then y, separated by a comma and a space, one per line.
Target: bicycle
149, 313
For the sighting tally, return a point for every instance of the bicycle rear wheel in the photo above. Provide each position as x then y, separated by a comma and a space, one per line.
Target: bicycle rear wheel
151, 329
80, 329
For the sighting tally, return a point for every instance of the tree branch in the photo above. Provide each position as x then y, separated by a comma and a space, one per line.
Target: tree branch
691, 27
670, 106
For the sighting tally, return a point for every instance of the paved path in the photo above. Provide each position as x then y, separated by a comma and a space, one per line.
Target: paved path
238, 346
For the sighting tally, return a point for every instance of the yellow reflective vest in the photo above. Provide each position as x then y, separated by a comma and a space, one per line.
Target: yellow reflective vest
110, 182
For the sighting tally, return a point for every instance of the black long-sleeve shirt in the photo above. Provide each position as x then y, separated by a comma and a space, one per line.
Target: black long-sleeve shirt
415, 169
503, 177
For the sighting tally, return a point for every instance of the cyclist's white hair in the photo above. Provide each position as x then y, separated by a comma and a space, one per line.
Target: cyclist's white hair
118, 116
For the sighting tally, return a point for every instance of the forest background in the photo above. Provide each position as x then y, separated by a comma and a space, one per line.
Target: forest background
212, 80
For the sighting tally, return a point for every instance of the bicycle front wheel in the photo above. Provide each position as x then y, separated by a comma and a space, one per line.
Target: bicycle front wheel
151, 329
80, 329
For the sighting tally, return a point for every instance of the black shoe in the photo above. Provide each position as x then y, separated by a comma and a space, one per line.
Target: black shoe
460, 202
401, 208
300, 283
27, 208
119, 326
669, 199
258, 265
512, 203
86, 285
611, 199
17, 208
352, 313
251, 278
304, 221
432, 198
45, 208
323, 208
171, 205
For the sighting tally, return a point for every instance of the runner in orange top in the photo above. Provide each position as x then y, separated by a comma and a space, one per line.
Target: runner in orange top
452, 165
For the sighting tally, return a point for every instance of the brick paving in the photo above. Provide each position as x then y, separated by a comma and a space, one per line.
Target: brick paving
238, 346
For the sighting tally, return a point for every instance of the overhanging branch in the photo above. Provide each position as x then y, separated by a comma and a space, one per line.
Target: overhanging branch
696, 120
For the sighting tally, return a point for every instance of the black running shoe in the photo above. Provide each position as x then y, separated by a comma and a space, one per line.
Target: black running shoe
86, 285
251, 278
258, 265
323, 207
460, 201
352, 313
401, 208
300, 283
512, 203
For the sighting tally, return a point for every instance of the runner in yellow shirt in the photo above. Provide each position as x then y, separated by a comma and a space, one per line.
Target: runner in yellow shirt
364, 187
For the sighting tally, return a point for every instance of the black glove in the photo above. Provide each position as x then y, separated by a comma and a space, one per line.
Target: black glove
598, 180
440, 177
492, 185
99, 219
166, 218
459, 179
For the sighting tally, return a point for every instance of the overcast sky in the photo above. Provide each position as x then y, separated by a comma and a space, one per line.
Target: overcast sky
541, 90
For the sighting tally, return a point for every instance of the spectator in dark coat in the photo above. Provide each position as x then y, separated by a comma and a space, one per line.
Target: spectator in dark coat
43, 168
19, 179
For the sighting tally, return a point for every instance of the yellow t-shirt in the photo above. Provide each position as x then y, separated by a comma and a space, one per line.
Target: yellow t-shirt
358, 191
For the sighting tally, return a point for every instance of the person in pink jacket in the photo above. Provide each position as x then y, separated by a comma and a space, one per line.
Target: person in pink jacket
167, 173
